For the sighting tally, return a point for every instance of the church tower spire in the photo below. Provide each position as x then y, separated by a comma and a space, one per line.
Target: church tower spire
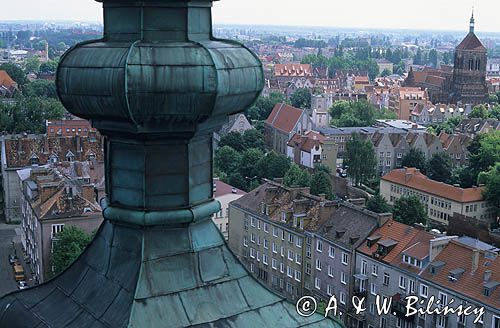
471, 26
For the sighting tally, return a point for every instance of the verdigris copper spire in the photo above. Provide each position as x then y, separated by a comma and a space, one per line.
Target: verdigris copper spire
156, 85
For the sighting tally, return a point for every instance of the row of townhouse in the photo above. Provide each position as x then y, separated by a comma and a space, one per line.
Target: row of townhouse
298, 244
428, 113
398, 261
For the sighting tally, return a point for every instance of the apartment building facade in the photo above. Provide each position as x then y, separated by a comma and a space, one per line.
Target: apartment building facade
441, 200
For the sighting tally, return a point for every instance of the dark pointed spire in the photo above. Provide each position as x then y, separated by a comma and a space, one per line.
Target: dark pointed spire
471, 26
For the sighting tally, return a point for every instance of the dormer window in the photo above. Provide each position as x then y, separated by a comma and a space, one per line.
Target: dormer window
435, 267
455, 274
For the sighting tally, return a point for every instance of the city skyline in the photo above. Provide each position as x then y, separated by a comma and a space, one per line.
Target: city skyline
259, 12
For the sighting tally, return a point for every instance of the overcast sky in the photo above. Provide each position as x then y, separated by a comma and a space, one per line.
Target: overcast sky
414, 14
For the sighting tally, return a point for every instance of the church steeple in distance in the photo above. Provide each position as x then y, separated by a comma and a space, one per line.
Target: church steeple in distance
471, 25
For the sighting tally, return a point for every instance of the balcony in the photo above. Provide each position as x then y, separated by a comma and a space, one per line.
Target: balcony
399, 307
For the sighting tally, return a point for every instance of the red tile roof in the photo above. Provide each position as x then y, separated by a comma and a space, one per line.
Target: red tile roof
413, 178
410, 241
471, 42
6, 80
307, 141
471, 283
292, 69
284, 117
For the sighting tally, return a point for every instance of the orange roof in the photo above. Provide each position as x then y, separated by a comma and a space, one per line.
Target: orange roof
413, 178
457, 255
6, 80
307, 141
292, 69
410, 241
284, 117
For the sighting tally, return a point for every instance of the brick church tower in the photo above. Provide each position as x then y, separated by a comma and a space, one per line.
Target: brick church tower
469, 72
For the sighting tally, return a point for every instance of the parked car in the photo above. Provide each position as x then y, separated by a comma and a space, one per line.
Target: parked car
18, 272
13, 259
22, 285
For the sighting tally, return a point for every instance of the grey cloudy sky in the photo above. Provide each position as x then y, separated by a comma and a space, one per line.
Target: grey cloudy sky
414, 14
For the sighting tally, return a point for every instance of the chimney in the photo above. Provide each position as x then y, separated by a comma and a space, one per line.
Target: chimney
487, 275
475, 261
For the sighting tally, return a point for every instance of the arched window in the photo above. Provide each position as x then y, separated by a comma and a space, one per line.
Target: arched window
478, 64
471, 64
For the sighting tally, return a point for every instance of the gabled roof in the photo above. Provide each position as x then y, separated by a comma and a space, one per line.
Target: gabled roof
307, 141
284, 117
413, 178
6, 80
471, 42
471, 283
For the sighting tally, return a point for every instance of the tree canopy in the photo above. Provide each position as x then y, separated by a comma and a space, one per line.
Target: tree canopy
15, 72
301, 98
69, 244
409, 210
439, 167
360, 159
297, 177
414, 158
264, 106
491, 179
321, 184
377, 204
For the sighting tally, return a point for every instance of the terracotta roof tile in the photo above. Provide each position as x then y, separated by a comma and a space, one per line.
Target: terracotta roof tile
471, 42
284, 117
471, 283
413, 178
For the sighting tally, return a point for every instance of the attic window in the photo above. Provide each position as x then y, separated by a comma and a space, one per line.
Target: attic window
455, 274
435, 267
486, 291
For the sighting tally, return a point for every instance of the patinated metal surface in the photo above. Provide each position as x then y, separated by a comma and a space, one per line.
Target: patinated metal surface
157, 85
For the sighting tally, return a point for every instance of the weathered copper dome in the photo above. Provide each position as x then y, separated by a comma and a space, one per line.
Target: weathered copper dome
156, 86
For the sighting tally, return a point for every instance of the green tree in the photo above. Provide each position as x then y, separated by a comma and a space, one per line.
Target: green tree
249, 158
377, 204
49, 67
263, 106
385, 72
16, 73
493, 99
439, 167
409, 210
484, 152
349, 114
40, 88
68, 245
433, 58
321, 184
227, 160
297, 177
491, 179
360, 159
463, 176
301, 98
414, 158
479, 111
32, 65
234, 140
418, 58
253, 138
273, 165
236, 180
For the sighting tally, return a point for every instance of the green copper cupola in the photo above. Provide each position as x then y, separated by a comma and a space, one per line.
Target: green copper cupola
157, 85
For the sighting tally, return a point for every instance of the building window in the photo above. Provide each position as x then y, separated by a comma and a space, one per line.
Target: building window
387, 278
266, 244
245, 241
330, 271
424, 290
329, 290
343, 278
373, 289
298, 258
266, 227
252, 221
265, 259
289, 272
298, 242
318, 264
375, 270
290, 255
363, 267
342, 298
443, 299
275, 232
319, 246
297, 275
282, 267
331, 251
274, 264
402, 282
252, 253
275, 248
308, 268
317, 283
56, 228
345, 258
252, 238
